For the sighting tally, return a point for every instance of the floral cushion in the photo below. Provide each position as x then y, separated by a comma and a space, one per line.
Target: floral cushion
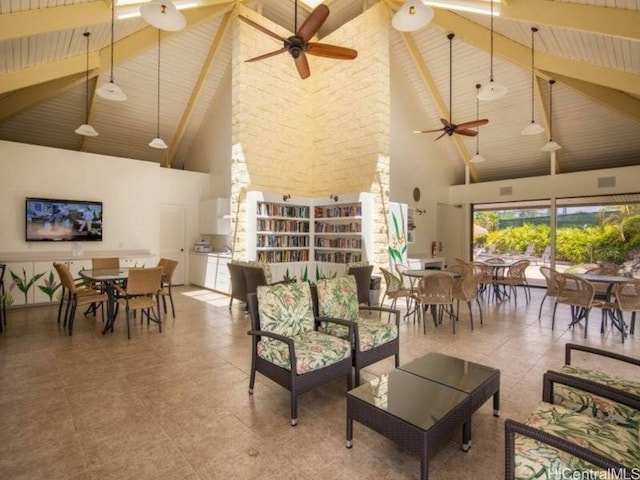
338, 298
604, 378
371, 333
540, 461
286, 309
314, 350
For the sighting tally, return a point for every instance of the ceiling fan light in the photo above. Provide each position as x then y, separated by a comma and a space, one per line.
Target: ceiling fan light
532, 129
86, 130
477, 158
158, 143
111, 91
163, 15
492, 91
412, 16
551, 146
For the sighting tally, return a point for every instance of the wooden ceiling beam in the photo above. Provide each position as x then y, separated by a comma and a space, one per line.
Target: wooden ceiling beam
520, 55
45, 20
197, 89
29, 97
428, 81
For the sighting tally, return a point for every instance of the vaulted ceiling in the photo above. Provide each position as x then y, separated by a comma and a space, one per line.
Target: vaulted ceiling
590, 47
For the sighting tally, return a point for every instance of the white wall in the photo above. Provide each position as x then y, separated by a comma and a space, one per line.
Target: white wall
131, 191
416, 161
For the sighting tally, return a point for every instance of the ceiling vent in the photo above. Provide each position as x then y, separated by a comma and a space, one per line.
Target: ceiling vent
506, 191
606, 182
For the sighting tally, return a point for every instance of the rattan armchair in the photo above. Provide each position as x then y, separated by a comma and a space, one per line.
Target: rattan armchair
395, 290
435, 291
168, 268
578, 294
516, 277
549, 275
238, 283
465, 288
627, 297
142, 293
362, 274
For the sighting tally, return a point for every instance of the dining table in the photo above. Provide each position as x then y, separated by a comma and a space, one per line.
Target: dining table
611, 280
108, 278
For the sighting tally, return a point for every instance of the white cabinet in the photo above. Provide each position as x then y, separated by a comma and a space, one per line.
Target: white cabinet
210, 271
215, 218
197, 269
138, 262
19, 283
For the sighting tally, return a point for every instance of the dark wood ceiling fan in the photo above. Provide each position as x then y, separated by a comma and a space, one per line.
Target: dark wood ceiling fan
449, 127
298, 45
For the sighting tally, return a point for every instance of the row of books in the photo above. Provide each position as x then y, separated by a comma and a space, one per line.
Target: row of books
282, 241
265, 225
322, 227
284, 256
338, 257
333, 212
278, 210
338, 242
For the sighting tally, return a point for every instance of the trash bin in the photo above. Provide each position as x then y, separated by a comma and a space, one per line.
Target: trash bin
374, 290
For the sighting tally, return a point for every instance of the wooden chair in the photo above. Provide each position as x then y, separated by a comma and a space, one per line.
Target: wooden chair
142, 293
373, 340
287, 346
76, 294
362, 274
549, 275
168, 268
435, 291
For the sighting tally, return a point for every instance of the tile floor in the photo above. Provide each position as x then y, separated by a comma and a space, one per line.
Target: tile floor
175, 405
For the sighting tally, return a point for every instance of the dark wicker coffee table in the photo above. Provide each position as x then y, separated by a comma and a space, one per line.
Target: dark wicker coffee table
478, 381
418, 414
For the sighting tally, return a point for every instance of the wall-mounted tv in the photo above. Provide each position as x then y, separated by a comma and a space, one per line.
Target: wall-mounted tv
53, 220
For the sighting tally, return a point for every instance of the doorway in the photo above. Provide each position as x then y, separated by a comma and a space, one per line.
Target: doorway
173, 233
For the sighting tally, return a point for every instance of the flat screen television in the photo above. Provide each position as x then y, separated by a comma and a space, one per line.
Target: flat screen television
50, 220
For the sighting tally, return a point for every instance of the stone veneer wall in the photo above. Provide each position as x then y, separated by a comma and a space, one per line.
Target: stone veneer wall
323, 135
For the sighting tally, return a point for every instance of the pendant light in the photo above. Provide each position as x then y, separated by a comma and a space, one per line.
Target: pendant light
163, 15
533, 128
86, 129
492, 90
551, 146
110, 90
158, 142
477, 158
412, 16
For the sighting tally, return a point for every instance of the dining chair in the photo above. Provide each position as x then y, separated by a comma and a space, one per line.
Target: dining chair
75, 294
549, 275
142, 293
407, 282
395, 290
168, 268
465, 288
516, 276
627, 297
436, 291
602, 289
98, 263
579, 294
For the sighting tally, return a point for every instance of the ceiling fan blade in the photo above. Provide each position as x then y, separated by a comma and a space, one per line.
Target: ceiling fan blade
313, 23
331, 51
439, 137
467, 132
267, 55
473, 124
261, 28
429, 131
303, 66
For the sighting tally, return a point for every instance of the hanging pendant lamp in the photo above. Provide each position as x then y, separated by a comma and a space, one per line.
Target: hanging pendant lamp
158, 142
533, 128
163, 15
477, 158
412, 16
492, 90
86, 129
551, 146
110, 90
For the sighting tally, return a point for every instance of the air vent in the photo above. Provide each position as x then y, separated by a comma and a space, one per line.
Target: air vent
506, 191
606, 182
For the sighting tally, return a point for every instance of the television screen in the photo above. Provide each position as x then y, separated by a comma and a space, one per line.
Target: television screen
63, 220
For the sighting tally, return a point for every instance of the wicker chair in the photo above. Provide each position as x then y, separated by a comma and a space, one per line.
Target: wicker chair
601, 288
549, 275
435, 290
373, 340
628, 300
516, 277
3, 306
104, 263
465, 288
407, 282
395, 290
238, 283
362, 275
142, 293
74, 295
168, 268
287, 346
577, 293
